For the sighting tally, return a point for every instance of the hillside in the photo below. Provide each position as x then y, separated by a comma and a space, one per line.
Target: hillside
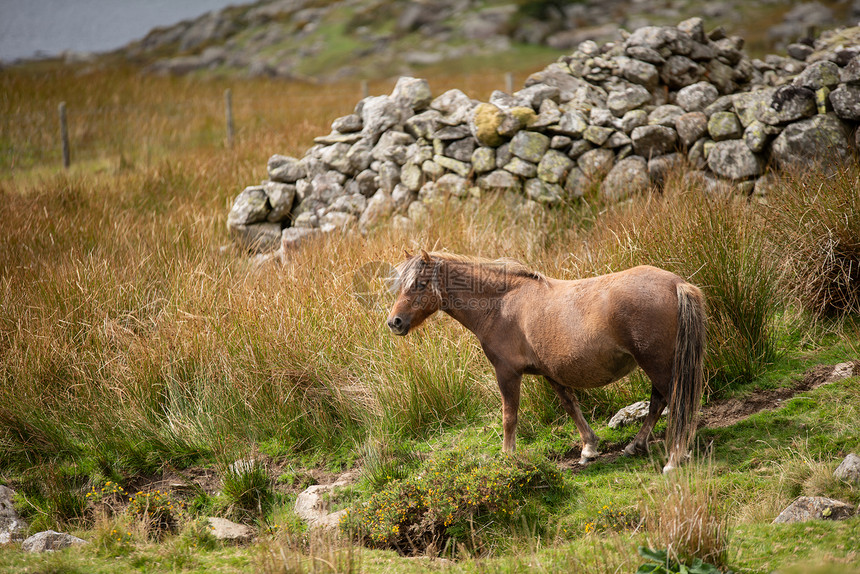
331, 39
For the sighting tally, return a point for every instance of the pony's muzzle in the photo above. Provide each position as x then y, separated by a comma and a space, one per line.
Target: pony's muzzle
398, 326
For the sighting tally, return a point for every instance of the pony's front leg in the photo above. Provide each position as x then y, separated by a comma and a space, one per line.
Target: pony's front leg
509, 385
571, 405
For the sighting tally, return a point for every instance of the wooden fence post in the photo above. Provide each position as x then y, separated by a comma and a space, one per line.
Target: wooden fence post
228, 104
64, 135
509, 83
365, 89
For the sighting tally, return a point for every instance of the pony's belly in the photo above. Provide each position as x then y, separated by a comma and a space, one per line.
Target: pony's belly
593, 372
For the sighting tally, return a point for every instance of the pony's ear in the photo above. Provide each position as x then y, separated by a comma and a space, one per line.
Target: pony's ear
426, 256
408, 255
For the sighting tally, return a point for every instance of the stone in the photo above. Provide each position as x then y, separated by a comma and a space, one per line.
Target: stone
483, 160
334, 138
516, 118
661, 166
432, 169
628, 177
850, 73
499, 181
352, 203
456, 107
799, 51
379, 114
722, 76
250, 206
842, 371
665, 115
459, 167
849, 469
543, 192
571, 88
530, 146
631, 414
335, 157
579, 147
365, 182
645, 54
312, 506
536, 94
577, 183
663, 39
596, 163
680, 71
638, 72
821, 74
554, 166
452, 184
411, 176
695, 28
690, 127
807, 508
846, 102
418, 212
633, 119
572, 124
756, 136
622, 101
787, 104
696, 97
392, 146
461, 150
306, 220
402, 196
50, 541
732, 159
379, 208
484, 124
423, 125
521, 167
650, 141
285, 169
12, 526
413, 93
228, 531
280, 196
821, 139
348, 124
724, 126
597, 135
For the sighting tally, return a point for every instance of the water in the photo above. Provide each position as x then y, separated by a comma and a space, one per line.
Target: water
30, 28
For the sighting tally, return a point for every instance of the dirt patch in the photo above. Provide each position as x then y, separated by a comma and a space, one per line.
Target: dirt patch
719, 414
727, 412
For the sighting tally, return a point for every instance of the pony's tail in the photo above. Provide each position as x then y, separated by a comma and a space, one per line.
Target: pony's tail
687, 372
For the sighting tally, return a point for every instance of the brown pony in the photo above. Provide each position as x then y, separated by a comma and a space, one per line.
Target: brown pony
577, 334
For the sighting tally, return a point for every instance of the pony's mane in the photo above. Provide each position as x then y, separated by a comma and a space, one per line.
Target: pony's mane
408, 270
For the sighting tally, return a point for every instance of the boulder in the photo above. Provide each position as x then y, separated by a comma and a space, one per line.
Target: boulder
413, 93
631, 414
849, 469
285, 169
543, 192
530, 146
231, 532
696, 97
691, 126
12, 526
50, 541
820, 139
630, 97
724, 126
379, 208
846, 102
554, 166
807, 508
627, 177
732, 159
484, 124
649, 141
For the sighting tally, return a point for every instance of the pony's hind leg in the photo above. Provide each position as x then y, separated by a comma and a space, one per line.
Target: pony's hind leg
571, 405
655, 409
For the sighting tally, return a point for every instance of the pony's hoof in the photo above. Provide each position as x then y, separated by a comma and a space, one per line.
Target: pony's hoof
586, 460
669, 468
632, 450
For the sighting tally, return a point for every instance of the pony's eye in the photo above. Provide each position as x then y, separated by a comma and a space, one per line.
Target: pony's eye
421, 285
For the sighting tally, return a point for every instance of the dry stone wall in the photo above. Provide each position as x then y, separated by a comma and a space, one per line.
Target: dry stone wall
618, 115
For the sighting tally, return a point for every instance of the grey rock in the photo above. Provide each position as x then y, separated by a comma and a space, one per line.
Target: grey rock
313, 507
597, 135
807, 508
250, 206
402, 196
50, 541
530, 146
756, 136
498, 181
799, 51
228, 531
572, 124
645, 54
559, 142
503, 154
461, 150
661, 166
348, 124
631, 414
360, 155
521, 167
849, 469
411, 176
822, 74
691, 126
452, 133
12, 526
732, 159
285, 169
603, 118
596, 163
534, 95
695, 28
633, 119
724, 126
353, 203
571, 89
459, 167
554, 166
483, 160
665, 115
280, 196
423, 125
306, 220
365, 183
389, 176
381, 113
787, 104
680, 71
577, 183
452, 184
335, 157
579, 147
850, 73
650, 141
696, 97
633, 96
618, 139
721, 104
379, 208
543, 192
454, 105
638, 72
846, 102
418, 212
432, 170
696, 154
820, 139
627, 177
722, 76
334, 138
392, 146
413, 93
663, 39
